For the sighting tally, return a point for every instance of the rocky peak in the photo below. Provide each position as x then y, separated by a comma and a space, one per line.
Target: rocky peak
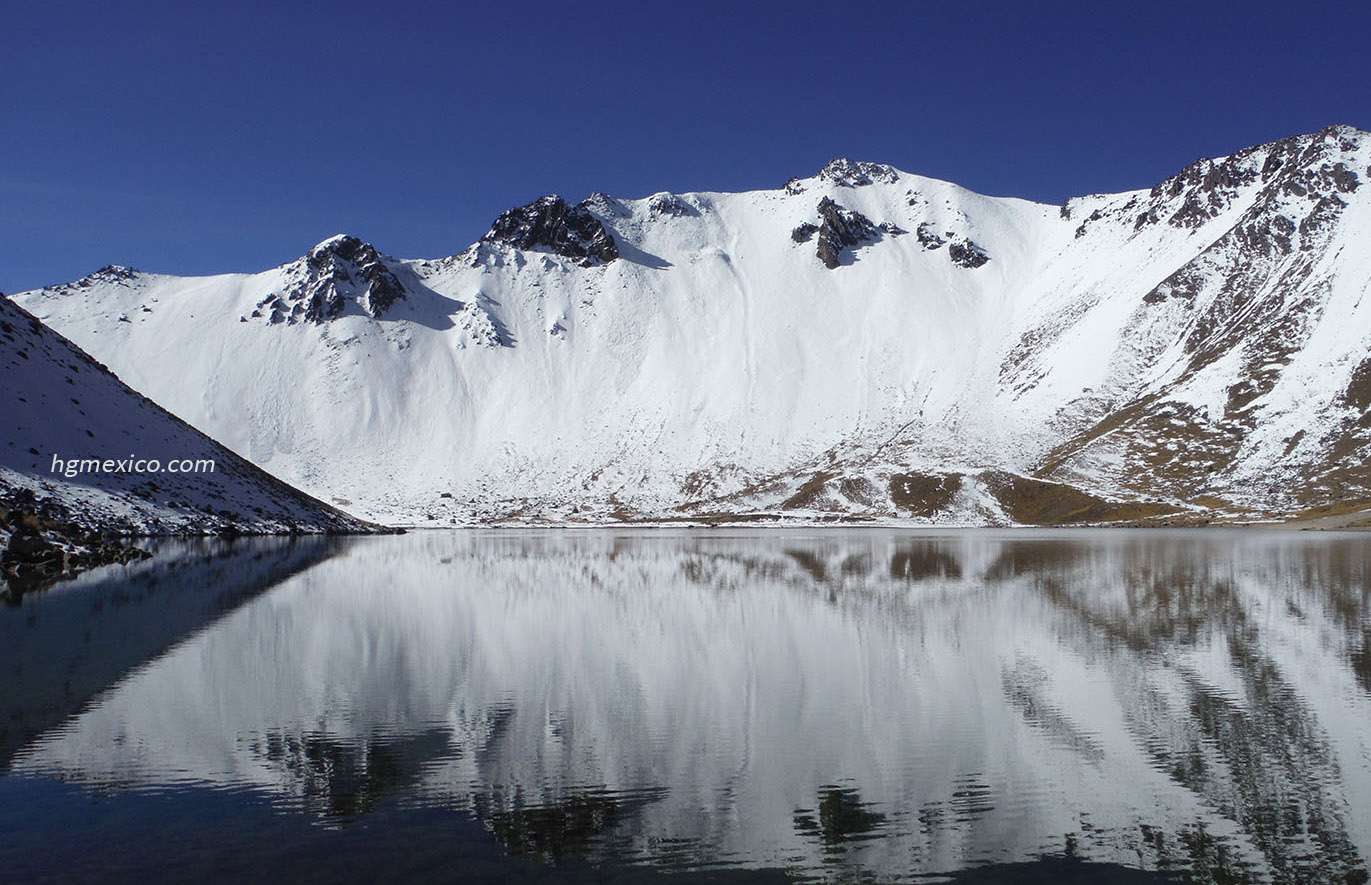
1318, 166
847, 173
340, 270
109, 275
666, 204
550, 223
602, 204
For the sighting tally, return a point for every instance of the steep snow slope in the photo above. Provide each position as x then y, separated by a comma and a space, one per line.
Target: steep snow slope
59, 403
864, 341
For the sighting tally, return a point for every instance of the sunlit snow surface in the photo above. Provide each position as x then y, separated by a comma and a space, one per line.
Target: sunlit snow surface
719, 365
830, 703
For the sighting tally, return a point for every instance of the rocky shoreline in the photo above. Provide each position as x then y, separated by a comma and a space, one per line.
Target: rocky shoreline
43, 542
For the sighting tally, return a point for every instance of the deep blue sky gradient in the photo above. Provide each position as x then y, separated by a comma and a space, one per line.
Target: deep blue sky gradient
201, 138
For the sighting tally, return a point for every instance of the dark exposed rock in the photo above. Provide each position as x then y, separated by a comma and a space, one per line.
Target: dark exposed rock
45, 545
1320, 218
351, 260
551, 223
1198, 207
1094, 216
670, 205
1344, 179
1206, 176
1358, 392
32, 555
1301, 166
1281, 152
804, 233
110, 274
603, 204
928, 237
846, 173
334, 273
1184, 283
891, 229
967, 253
839, 229
1266, 235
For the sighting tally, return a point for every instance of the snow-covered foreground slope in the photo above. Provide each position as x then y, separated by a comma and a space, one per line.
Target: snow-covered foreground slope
58, 403
864, 342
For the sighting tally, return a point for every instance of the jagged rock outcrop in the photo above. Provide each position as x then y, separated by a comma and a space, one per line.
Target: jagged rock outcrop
670, 205
1307, 166
839, 229
967, 253
928, 237
552, 224
339, 271
847, 173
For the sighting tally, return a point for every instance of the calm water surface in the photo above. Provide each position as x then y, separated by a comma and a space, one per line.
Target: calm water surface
781, 705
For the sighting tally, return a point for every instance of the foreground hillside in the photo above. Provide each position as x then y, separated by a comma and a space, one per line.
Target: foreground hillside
60, 404
863, 343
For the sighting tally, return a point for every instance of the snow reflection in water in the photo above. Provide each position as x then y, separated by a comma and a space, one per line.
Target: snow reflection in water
828, 703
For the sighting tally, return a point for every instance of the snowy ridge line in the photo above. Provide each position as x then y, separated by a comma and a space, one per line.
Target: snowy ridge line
863, 344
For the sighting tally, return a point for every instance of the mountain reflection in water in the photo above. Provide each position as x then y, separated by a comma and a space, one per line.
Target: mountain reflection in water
831, 704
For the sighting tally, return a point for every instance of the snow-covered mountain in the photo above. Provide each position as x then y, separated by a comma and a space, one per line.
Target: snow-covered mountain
62, 408
860, 343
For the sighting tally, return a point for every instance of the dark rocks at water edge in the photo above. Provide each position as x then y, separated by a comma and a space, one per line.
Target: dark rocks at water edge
40, 543
552, 224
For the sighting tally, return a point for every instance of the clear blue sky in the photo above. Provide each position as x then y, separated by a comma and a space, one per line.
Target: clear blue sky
207, 137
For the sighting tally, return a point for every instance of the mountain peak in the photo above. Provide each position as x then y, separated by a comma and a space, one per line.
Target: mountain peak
1350, 137
340, 270
848, 173
550, 223
336, 242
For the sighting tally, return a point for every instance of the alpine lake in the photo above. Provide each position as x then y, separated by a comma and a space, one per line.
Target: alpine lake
697, 705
